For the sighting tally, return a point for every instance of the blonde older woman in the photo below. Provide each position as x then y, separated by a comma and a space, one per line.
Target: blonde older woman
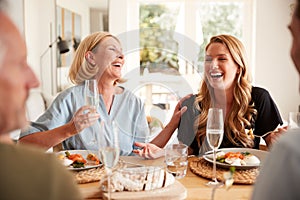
248, 110
99, 56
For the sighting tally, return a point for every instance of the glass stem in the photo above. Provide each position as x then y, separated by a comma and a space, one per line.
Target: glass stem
214, 166
108, 182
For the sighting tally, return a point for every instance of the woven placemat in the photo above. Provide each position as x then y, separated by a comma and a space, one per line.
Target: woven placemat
94, 174
89, 175
201, 167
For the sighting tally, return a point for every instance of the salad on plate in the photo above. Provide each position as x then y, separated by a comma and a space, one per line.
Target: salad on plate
240, 158
237, 158
79, 159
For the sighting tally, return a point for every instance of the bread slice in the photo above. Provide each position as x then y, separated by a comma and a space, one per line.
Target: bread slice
168, 179
158, 178
140, 179
149, 179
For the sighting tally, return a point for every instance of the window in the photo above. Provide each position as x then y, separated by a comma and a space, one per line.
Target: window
168, 37
198, 20
158, 47
218, 17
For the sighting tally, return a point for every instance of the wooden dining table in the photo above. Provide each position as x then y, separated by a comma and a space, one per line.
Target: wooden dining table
194, 185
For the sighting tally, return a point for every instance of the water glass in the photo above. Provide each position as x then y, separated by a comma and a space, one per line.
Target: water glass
176, 158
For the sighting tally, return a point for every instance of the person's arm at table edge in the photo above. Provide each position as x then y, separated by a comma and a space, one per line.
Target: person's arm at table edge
50, 138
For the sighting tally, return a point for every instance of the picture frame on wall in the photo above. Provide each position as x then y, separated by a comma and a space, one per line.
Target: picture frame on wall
69, 29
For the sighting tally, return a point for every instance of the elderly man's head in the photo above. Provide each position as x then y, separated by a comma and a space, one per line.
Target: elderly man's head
16, 77
295, 30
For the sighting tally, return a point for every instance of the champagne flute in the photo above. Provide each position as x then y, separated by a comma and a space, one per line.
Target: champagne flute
109, 149
214, 135
91, 94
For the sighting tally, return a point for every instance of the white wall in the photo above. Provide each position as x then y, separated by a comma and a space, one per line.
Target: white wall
16, 12
273, 67
39, 16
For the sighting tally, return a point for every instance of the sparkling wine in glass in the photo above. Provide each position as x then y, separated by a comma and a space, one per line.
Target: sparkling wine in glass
109, 149
214, 135
91, 94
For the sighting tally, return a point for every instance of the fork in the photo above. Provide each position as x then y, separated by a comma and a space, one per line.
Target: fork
261, 136
267, 133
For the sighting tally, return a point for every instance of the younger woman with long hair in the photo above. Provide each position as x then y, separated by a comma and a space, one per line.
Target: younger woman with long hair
249, 111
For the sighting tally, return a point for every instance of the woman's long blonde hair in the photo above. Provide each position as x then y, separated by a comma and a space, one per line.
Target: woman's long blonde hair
241, 114
81, 69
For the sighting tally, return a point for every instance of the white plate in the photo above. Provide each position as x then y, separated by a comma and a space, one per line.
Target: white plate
84, 154
258, 153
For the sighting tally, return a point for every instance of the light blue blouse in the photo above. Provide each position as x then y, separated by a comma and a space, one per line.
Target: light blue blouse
127, 110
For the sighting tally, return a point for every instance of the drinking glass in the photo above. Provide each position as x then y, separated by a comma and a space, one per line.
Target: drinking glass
294, 120
214, 135
176, 158
91, 94
109, 149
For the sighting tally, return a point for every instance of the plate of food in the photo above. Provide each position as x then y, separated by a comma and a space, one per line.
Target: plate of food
79, 159
240, 158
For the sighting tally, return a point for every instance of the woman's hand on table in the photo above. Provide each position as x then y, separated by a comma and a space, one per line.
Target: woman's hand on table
148, 150
85, 117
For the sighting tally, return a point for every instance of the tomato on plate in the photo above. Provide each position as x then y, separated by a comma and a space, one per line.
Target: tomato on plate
234, 155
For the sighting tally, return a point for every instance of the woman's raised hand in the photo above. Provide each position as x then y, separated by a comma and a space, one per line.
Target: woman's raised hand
163, 137
85, 117
179, 110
